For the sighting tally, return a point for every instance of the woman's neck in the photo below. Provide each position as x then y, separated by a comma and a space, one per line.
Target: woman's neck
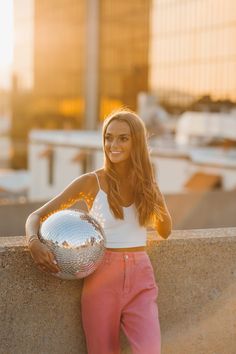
123, 172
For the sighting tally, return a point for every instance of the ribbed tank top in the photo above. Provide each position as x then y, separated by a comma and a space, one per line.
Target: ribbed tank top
119, 233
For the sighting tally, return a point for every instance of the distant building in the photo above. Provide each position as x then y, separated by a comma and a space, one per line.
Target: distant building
50, 53
193, 50
52, 57
57, 157
179, 51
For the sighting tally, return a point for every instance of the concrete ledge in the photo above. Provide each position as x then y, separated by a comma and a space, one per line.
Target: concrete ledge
196, 274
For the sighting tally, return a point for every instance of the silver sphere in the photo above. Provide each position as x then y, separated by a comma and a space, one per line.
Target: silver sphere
77, 241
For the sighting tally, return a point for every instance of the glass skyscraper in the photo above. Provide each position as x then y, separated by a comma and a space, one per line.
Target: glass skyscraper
193, 49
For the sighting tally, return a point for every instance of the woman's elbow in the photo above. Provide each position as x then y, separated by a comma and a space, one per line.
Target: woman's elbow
165, 233
164, 228
32, 218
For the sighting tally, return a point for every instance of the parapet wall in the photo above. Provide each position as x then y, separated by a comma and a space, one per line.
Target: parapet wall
196, 275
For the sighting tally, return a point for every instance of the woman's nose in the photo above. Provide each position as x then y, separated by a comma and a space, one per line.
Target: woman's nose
114, 143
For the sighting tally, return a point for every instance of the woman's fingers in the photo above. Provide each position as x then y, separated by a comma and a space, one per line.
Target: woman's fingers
47, 264
44, 258
48, 267
53, 262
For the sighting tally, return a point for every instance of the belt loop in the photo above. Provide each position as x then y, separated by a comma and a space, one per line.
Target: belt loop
125, 257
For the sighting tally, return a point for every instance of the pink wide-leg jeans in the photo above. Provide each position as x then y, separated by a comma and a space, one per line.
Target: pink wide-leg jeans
121, 293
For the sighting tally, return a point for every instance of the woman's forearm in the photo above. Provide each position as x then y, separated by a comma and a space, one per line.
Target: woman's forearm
164, 227
32, 225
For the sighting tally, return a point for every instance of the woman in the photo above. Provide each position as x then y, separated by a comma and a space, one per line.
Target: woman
125, 198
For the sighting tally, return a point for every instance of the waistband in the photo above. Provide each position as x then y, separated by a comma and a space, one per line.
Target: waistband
130, 249
120, 256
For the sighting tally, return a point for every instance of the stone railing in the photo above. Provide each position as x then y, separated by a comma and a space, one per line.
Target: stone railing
196, 275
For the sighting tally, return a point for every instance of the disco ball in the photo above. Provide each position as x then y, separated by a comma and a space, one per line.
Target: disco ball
77, 241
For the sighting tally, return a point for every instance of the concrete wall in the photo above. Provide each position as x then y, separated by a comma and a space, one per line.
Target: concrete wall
211, 209
189, 211
196, 275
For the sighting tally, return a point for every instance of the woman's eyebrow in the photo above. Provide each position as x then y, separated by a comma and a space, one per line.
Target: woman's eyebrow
123, 134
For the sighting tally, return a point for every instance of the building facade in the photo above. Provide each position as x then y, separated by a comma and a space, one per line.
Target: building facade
193, 50
52, 63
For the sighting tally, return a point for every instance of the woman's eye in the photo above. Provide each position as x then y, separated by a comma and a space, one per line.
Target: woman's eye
110, 139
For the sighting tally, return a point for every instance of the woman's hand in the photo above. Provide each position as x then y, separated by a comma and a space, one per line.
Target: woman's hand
43, 257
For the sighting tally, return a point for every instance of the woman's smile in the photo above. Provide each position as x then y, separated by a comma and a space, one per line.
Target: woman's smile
118, 141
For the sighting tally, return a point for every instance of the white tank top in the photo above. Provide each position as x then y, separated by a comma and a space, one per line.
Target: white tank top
119, 233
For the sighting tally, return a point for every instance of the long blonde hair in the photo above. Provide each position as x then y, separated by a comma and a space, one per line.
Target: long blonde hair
146, 193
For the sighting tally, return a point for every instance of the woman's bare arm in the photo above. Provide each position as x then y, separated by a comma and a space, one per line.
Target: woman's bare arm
80, 188
164, 226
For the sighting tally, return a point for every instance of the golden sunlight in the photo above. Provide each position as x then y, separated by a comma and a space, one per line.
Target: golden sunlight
6, 41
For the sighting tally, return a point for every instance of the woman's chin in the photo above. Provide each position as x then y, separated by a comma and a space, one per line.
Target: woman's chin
115, 159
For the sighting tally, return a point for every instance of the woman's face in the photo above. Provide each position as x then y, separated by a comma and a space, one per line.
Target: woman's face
118, 142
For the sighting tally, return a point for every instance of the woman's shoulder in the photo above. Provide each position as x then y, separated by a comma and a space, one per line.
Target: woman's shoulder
89, 182
100, 173
101, 176
85, 181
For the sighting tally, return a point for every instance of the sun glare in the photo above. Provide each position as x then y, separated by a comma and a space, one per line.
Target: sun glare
6, 40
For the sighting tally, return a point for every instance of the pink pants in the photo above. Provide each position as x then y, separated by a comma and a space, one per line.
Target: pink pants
121, 292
